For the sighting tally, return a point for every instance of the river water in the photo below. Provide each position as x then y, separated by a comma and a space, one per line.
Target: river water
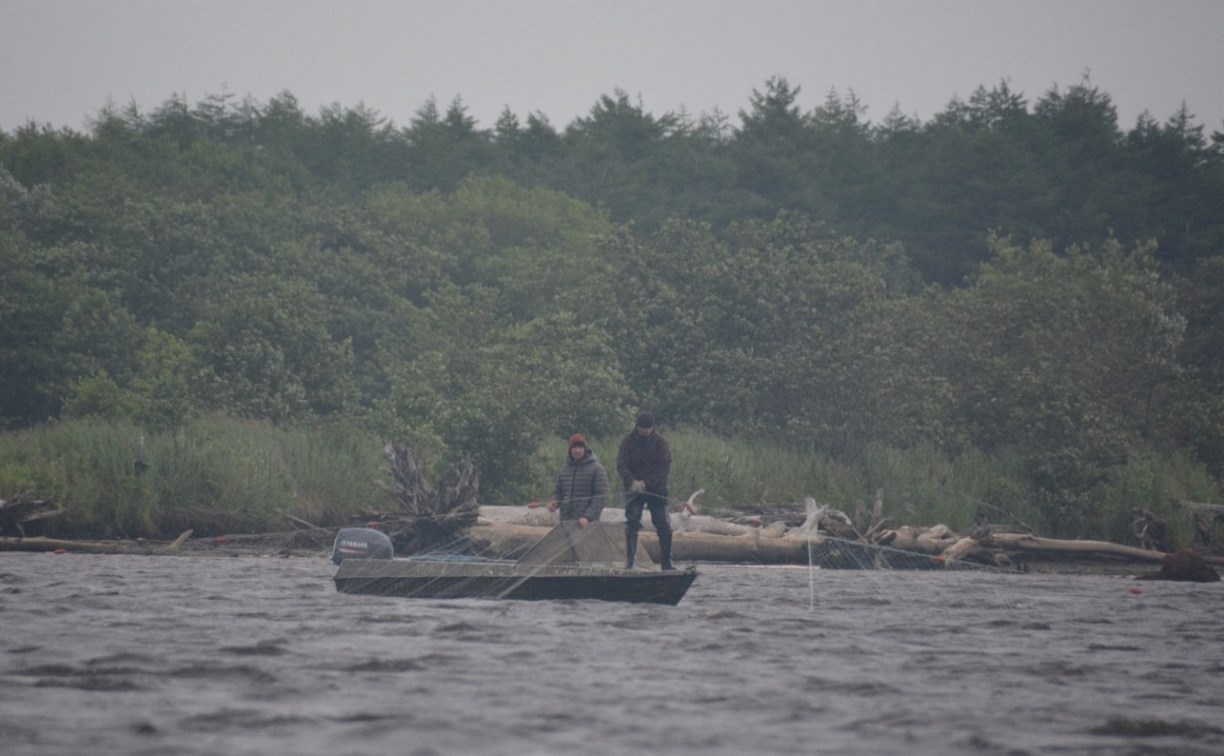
214, 655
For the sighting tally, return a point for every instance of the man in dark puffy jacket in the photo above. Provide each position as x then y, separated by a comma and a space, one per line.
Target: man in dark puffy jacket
582, 485
644, 461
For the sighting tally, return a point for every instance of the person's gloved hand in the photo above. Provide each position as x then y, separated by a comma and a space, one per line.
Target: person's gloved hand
638, 486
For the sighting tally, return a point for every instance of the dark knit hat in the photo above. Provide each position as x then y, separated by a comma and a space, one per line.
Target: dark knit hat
645, 419
577, 439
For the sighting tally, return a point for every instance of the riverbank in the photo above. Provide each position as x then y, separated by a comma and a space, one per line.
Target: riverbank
221, 475
295, 543
318, 545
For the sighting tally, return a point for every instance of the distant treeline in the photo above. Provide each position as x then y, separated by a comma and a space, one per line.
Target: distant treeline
1028, 283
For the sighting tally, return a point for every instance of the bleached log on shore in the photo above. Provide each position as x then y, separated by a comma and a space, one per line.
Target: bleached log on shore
39, 544
223, 545
1215, 510
934, 540
1027, 542
683, 521
902, 538
962, 548
508, 540
711, 526
750, 549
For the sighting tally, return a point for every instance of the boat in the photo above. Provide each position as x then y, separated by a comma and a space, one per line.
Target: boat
569, 563
446, 580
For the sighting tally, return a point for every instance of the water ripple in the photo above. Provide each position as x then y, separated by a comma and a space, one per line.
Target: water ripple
112, 655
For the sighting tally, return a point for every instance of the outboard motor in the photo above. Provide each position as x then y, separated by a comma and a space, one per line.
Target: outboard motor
361, 543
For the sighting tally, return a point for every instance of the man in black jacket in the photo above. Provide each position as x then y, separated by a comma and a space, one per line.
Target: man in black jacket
644, 461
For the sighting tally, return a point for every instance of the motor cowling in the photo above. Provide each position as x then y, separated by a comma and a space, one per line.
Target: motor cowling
361, 543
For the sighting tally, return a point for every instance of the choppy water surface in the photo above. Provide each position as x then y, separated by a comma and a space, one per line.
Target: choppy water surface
158, 655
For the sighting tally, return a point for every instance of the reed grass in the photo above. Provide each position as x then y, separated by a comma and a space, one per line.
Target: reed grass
923, 485
920, 486
216, 475
1155, 483
741, 475
221, 475
926, 486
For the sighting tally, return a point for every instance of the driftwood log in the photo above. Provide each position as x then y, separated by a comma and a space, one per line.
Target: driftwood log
505, 539
1185, 566
750, 539
426, 518
1029, 542
1205, 517
41, 544
287, 543
22, 509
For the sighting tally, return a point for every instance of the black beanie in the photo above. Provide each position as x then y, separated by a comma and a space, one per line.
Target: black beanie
645, 419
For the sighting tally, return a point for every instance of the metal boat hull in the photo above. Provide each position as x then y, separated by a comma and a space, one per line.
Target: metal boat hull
506, 580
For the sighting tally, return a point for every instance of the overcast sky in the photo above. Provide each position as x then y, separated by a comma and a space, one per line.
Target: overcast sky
61, 61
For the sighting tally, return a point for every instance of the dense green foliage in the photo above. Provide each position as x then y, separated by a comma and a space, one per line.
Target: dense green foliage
1027, 290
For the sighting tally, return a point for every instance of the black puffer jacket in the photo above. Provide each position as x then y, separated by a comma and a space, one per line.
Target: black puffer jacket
645, 458
582, 488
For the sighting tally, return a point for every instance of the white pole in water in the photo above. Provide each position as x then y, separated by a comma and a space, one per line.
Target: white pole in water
811, 577
811, 522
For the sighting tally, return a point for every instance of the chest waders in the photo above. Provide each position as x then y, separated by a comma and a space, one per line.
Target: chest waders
658, 517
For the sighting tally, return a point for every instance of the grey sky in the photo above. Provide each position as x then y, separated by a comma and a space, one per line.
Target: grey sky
63, 60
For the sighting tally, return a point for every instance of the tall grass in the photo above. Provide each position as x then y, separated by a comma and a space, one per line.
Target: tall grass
1156, 484
740, 475
920, 486
925, 486
736, 475
221, 475
216, 475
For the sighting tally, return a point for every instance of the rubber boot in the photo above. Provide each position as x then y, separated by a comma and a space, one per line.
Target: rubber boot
630, 547
665, 544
